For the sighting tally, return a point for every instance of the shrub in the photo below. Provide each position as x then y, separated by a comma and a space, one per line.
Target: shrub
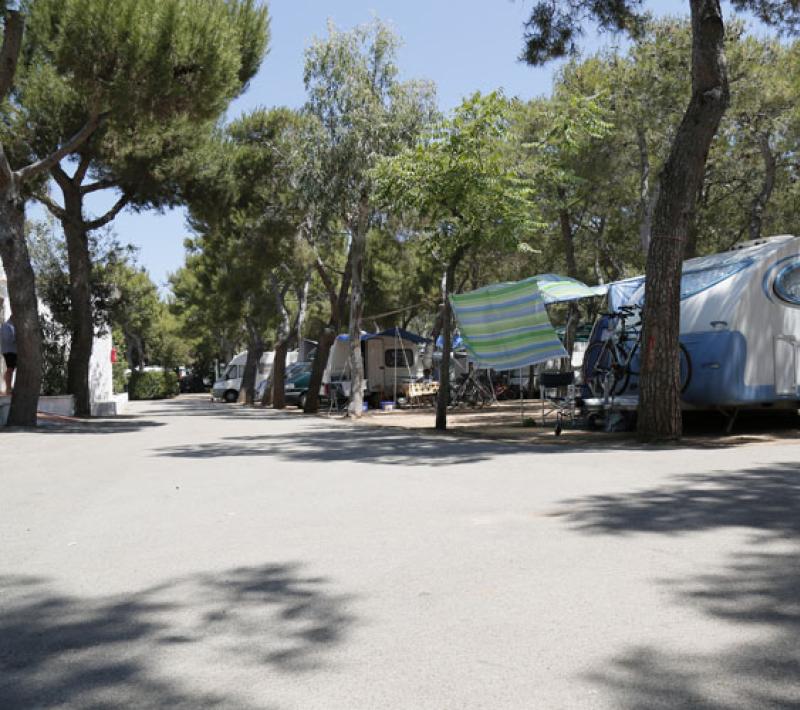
152, 385
119, 381
54, 357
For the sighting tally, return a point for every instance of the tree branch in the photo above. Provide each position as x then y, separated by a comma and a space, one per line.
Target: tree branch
55, 209
108, 216
30, 171
61, 177
103, 184
83, 166
9, 54
6, 173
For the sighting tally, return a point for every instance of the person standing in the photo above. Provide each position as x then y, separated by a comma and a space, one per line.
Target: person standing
8, 346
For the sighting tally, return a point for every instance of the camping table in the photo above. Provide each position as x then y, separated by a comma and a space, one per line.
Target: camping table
419, 393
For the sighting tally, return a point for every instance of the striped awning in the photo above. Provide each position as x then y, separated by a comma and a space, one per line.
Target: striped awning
556, 288
505, 326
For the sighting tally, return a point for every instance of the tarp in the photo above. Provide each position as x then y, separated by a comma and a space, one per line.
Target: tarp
505, 326
402, 334
556, 288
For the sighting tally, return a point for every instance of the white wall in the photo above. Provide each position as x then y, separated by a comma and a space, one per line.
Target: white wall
100, 369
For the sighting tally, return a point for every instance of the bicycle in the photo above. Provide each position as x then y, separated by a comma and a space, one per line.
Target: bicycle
607, 365
470, 390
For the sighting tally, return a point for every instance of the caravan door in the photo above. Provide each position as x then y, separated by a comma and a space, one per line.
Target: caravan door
785, 366
374, 366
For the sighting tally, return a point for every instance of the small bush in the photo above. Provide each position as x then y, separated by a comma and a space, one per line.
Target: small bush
152, 385
119, 379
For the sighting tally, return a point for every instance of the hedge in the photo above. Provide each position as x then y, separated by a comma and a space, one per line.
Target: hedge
152, 385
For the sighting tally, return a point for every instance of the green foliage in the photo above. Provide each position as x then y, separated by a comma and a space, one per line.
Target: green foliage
135, 60
153, 384
463, 182
555, 27
119, 380
55, 343
363, 111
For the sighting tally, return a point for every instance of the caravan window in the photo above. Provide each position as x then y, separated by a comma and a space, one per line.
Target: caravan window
398, 358
693, 282
787, 284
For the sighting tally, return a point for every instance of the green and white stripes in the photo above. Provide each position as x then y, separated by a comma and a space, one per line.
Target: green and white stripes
505, 326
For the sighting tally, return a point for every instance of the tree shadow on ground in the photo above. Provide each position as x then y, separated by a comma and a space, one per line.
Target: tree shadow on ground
203, 406
755, 591
764, 499
159, 646
367, 446
758, 594
71, 425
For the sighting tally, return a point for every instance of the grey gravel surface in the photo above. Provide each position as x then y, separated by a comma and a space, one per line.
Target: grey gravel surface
200, 555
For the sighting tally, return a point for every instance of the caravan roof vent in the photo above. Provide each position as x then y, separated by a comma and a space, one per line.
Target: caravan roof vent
760, 242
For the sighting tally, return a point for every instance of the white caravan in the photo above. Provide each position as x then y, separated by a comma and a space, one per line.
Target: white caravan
392, 358
740, 322
228, 385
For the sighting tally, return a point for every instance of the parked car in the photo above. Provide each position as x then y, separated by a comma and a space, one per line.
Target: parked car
296, 381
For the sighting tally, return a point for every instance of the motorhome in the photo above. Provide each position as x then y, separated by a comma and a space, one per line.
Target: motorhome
227, 386
740, 323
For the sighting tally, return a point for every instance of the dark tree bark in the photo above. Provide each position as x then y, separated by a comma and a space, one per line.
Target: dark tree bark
255, 349
24, 306
278, 386
762, 198
443, 397
680, 180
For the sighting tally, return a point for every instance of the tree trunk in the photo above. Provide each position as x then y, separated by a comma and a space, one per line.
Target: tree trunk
573, 314
761, 200
659, 405
324, 344
358, 250
570, 331
81, 316
329, 333
25, 308
279, 375
255, 349
567, 239
278, 378
692, 233
647, 197
302, 311
443, 398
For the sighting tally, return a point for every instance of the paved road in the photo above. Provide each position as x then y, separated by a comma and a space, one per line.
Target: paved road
199, 555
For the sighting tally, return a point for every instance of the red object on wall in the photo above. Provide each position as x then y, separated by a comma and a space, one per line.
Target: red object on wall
113, 354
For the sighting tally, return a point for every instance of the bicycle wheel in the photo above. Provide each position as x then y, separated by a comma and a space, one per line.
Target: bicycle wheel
686, 367
455, 394
598, 368
485, 396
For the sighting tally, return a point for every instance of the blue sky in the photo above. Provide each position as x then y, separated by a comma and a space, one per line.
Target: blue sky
462, 46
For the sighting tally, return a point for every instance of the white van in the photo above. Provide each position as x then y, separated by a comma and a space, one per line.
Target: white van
227, 387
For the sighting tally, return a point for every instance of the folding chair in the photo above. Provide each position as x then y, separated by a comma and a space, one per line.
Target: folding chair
557, 394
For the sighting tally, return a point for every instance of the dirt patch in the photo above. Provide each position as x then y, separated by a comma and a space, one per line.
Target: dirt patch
515, 422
